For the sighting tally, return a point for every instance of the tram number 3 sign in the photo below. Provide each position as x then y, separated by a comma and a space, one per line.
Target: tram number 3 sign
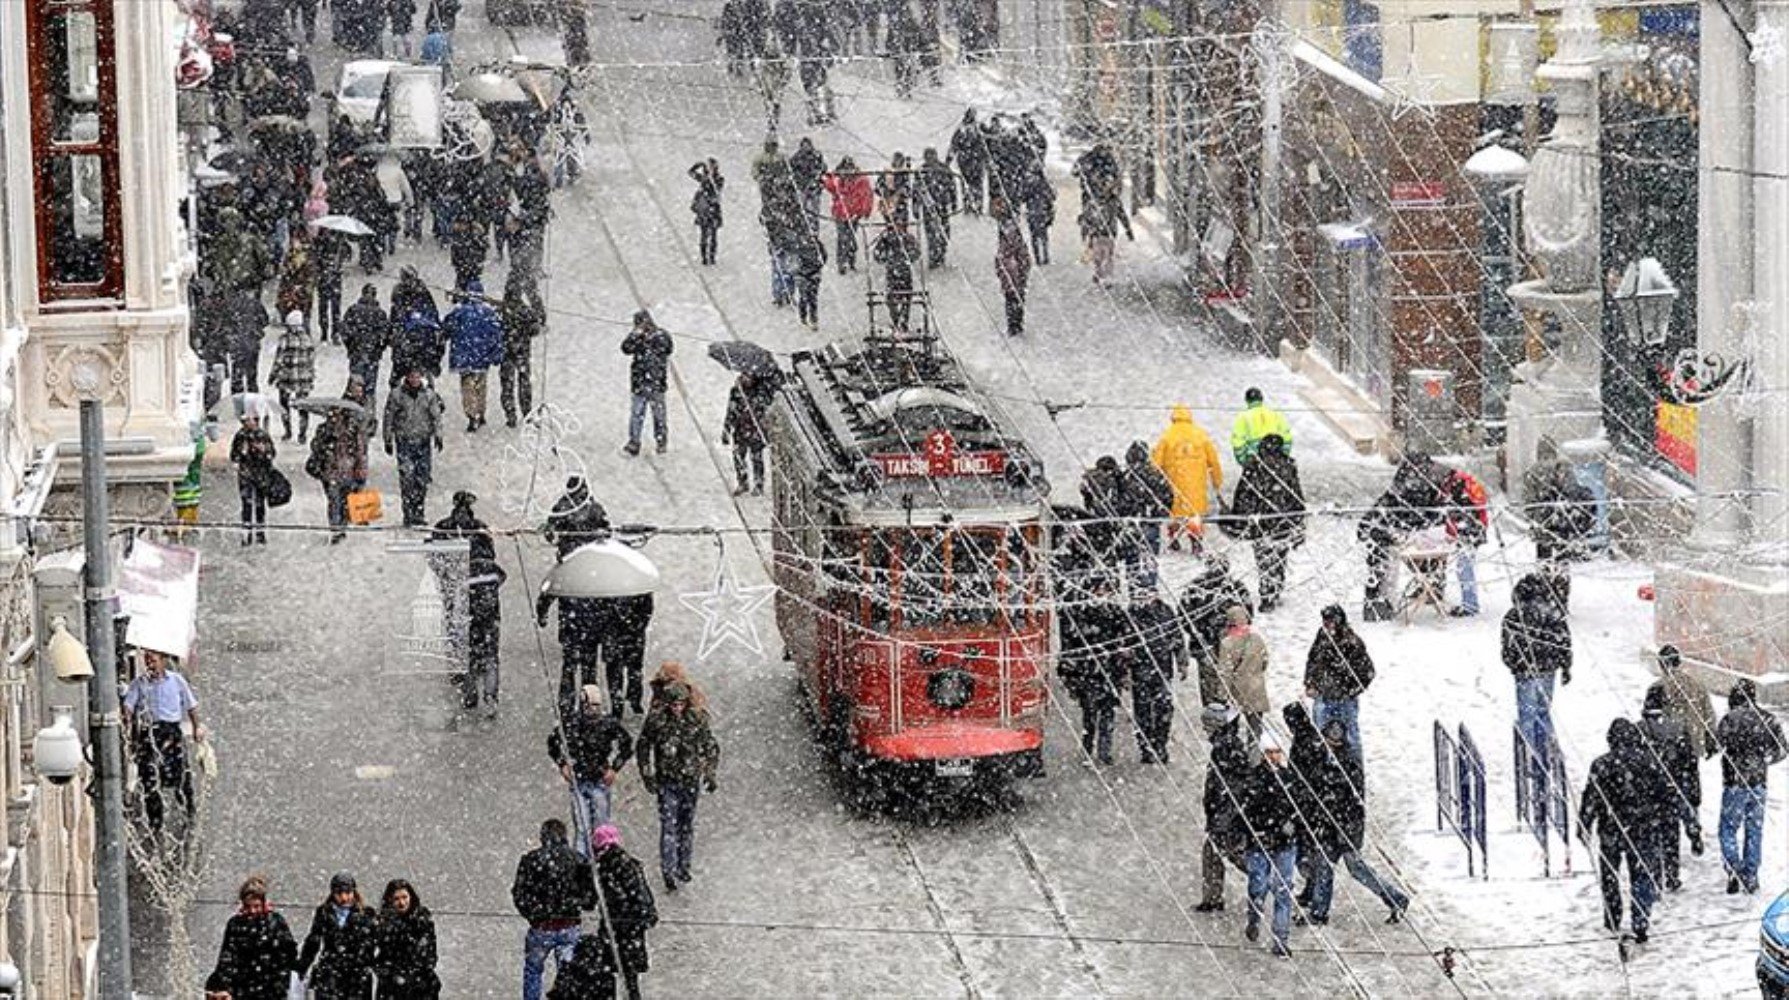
939, 458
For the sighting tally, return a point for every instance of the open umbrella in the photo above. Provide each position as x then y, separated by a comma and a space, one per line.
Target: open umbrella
325, 404
255, 404
607, 568
743, 356
344, 224
491, 88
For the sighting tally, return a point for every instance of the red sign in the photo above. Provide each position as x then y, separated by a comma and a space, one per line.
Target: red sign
938, 459
1406, 194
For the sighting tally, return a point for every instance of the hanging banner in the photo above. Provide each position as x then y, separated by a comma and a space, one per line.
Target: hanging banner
1675, 437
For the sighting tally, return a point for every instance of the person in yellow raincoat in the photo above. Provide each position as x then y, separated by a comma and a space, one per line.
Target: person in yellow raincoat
1186, 455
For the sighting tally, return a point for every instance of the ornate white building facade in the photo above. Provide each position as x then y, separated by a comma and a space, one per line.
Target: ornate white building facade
94, 262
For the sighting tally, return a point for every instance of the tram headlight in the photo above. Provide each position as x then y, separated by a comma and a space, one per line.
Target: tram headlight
951, 689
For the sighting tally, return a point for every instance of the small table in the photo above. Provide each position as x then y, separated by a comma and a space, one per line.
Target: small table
1427, 568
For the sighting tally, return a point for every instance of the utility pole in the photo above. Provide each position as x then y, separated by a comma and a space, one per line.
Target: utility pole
103, 714
1269, 43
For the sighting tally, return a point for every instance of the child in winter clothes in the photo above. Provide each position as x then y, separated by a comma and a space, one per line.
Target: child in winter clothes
294, 373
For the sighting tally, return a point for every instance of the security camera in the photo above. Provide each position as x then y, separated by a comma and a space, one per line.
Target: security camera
57, 749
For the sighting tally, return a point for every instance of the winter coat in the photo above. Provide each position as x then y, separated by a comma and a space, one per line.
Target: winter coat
1413, 503
706, 202
1143, 489
1269, 812
338, 450
1269, 502
294, 363
853, 198
937, 193
406, 954
298, 276
677, 751
1252, 425
969, 149
403, 16
1537, 639
366, 332
413, 415
1626, 795
1338, 666
1687, 704
1228, 773
248, 320
744, 422
897, 251
412, 296
475, 335
484, 610
1467, 516
256, 958
592, 744
650, 349
1156, 648
577, 519
524, 318
1203, 606
1667, 742
627, 904
1560, 510
462, 523
418, 346
1012, 259
1186, 455
806, 167
337, 959
1091, 663
252, 451
553, 883
394, 184
1242, 670
590, 975
1751, 740
468, 246
1320, 785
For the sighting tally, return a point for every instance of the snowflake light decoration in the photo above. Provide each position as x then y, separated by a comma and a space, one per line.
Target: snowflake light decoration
539, 462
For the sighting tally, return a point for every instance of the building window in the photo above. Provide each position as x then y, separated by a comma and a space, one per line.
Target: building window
74, 145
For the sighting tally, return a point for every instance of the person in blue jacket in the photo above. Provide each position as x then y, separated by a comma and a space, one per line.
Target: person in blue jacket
475, 345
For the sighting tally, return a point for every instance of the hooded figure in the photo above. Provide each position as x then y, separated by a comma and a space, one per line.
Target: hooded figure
577, 519
1094, 631
404, 939
1666, 741
1242, 667
1751, 740
1227, 772
1187, 456
1269, 504
1337, 671
1144, 493
969, 151
1619, 810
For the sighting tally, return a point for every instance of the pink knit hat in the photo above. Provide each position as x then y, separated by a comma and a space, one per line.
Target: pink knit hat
603, 836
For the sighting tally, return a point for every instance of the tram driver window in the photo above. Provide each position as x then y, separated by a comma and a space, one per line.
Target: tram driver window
975, 577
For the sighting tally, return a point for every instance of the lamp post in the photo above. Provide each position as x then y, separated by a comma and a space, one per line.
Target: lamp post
103, 714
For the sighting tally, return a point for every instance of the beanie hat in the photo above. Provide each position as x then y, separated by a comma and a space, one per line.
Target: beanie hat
1270, 742
1669, 656
1216, 716
341, 882
606, 835
675, 692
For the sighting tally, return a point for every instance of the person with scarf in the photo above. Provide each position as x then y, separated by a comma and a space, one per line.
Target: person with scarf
404, 946
336, 961
256, 958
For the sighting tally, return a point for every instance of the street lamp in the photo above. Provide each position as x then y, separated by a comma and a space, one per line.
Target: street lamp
607, 568
1644, 298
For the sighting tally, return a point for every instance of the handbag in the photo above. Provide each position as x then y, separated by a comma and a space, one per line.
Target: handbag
364, 507
277, 488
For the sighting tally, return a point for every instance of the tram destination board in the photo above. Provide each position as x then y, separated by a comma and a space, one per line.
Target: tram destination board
940, 457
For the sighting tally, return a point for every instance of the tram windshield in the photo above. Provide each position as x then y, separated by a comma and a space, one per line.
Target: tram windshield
950, 577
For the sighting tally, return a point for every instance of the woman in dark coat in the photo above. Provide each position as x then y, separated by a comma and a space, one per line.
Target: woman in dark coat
404, 941
1012, 264
257, 956
336, 961
705, 204
627, 903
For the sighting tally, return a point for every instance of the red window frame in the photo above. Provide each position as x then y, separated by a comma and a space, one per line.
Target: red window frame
47, 153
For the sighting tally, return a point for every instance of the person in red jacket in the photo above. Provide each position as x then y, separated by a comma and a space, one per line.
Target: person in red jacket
852, 200
1467, 520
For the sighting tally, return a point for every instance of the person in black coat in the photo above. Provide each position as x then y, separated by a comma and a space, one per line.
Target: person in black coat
1669, 743
404, 946
1157, 652
969, 151
1270, 814
484, 621
590, 975
1094, 633
705, 204
366, 334
1618, 808
628, 909
743, 428
1203, 605
1330, 792
576, 519
1269, 503
1414, 502
1751, 740
552, 888
1537, 649
590, 747
258, 954
648, 374
1337, 671
1226, 779
1145, 496
336, 961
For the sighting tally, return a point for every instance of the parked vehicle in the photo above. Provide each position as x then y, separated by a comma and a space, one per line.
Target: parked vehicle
1773, 950
361, 89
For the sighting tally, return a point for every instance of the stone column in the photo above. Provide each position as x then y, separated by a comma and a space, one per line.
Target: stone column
1770, 279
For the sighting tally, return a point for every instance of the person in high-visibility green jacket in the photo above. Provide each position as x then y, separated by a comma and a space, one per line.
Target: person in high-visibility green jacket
1255, 423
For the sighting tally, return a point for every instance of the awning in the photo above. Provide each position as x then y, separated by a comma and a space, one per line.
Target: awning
158, 587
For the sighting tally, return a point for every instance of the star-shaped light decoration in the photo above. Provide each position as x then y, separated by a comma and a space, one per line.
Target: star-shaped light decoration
1766, 44
727, 612
1414, 94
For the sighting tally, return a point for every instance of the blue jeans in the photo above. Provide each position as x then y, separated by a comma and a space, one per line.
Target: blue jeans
1343, 710
1272, 872
536, 947
1323, 883
1466, 562
589, 810
676, 829
416, 464
636, 419
782, 279
1534, 721
1742, 808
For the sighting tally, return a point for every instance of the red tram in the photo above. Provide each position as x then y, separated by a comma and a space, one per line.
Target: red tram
910, 534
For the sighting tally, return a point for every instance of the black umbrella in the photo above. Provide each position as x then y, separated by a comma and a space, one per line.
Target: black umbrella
743, 356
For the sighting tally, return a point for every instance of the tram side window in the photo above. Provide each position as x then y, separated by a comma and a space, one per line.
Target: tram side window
879, 580
1022, 577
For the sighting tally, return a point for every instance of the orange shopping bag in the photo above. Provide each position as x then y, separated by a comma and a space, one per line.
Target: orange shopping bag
364, 507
